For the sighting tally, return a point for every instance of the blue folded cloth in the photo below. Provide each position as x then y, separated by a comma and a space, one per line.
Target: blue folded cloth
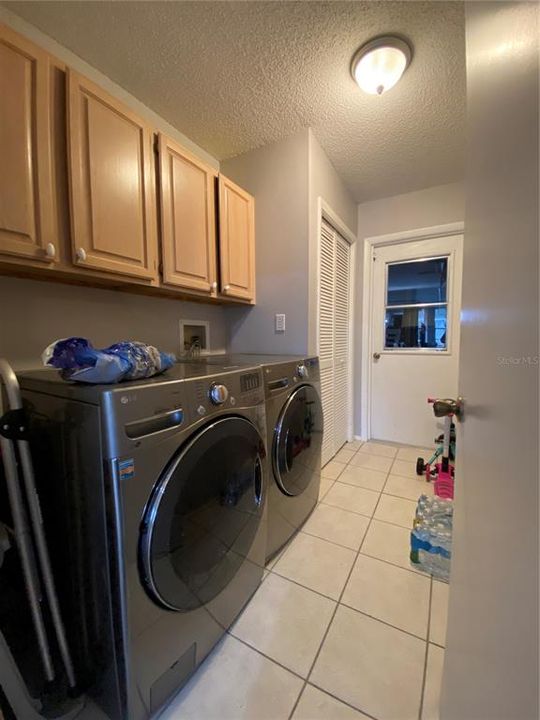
77, 359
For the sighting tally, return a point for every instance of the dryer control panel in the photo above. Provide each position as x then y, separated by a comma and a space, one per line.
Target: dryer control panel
282, 377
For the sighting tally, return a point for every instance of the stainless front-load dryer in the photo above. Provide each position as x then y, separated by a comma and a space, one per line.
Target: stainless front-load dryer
294, 419
156, 508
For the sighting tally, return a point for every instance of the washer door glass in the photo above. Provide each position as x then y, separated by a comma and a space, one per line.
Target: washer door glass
203, 515
297, 441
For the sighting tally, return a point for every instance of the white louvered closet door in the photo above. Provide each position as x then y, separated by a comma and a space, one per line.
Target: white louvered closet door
341, 342
326, 336
334, 338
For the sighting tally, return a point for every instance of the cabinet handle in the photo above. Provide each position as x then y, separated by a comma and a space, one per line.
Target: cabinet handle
81, 254
50, 250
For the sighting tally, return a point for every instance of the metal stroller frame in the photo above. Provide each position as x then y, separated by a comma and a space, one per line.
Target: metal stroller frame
30, 536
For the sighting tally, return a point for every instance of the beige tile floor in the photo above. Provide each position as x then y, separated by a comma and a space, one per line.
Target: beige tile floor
341, 627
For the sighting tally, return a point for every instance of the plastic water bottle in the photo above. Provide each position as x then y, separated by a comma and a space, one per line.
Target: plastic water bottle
431, 537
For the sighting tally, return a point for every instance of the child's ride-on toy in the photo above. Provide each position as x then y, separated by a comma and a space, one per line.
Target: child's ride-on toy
442, 472
428, 468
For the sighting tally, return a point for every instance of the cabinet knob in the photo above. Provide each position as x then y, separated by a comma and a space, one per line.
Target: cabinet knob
226, 288
214, 286
81, 254
50, 250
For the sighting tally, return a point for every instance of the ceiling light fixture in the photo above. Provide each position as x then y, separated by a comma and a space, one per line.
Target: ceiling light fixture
378, 65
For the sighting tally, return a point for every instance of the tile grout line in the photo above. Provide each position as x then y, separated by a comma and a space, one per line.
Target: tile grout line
333, 615
344, 702
333, 542
442, 647
363, 487
357, 552
339, 602
346, 583
424, 675
305, 587
402, 567
354, 512
293, 709
370, 518
346, 547
370, 489
384, 622
264, 655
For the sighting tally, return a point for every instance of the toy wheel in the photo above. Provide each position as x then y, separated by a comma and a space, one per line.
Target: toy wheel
420, 467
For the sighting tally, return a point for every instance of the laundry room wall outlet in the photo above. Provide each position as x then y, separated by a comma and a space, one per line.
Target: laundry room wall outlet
280, 322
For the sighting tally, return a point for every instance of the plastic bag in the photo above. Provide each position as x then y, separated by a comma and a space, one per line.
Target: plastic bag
77, 359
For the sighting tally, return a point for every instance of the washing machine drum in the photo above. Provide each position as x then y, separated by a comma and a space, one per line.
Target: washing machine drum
203, 515
296, 451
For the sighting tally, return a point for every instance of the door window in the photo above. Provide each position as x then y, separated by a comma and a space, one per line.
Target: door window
416, 304
203, 515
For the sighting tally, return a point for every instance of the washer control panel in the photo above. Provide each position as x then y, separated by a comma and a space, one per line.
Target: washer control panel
228, 390
218, 393
250, 381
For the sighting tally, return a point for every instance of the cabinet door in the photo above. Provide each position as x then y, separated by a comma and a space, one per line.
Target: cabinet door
188, 219
112, 189
26, 199
236, 241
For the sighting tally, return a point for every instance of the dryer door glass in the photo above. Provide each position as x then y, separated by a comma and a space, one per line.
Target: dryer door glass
203, 515
297, 441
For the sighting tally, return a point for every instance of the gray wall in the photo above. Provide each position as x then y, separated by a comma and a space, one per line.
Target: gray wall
491, 666
326, 183
277, 175
34, 313
437, 205
287, 179
433, 206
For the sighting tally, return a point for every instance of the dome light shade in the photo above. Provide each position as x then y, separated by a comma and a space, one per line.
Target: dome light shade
380, 63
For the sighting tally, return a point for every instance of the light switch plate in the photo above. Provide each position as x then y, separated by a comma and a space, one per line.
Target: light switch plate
280, 322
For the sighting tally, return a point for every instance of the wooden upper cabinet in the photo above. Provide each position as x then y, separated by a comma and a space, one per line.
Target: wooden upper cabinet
26, 195
188, 219
236, 241
112, 188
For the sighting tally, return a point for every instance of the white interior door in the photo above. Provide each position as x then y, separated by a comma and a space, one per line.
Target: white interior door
491, 667
334, 338
415, 308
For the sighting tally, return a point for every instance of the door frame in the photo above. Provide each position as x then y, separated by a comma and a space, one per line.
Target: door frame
370, 243
325, 212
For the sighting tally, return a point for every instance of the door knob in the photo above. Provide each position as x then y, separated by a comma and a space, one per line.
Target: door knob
444, 407
376, 355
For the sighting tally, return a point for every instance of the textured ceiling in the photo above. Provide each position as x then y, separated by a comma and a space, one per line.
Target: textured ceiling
237, 75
